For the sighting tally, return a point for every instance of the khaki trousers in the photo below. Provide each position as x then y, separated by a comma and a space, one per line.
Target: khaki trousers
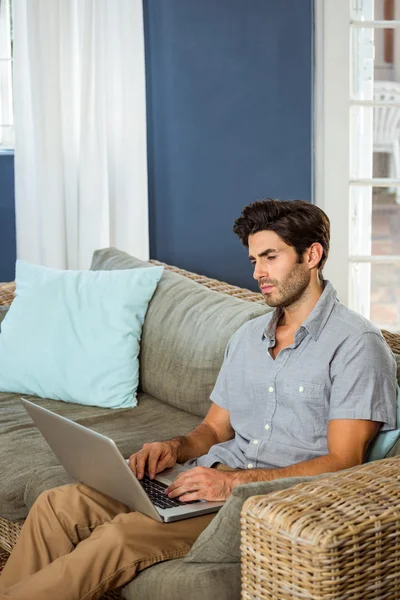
78, 543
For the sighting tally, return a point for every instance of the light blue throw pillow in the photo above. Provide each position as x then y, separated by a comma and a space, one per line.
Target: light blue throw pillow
385, 440
75, 335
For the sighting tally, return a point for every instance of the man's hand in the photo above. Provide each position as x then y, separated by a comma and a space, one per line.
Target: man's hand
157, 456
202, 483
153, 458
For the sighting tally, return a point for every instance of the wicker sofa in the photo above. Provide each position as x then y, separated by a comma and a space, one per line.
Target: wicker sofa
187, 305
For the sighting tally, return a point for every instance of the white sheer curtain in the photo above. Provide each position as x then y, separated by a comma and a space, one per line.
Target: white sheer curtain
6, 108
80, 130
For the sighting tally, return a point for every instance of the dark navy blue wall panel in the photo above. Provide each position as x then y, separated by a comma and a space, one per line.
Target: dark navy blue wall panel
7, 217
229, 109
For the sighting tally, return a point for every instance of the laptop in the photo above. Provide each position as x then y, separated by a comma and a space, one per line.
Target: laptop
95, 460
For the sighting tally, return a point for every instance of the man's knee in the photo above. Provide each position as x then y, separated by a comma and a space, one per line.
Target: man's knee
54, 498
114, 536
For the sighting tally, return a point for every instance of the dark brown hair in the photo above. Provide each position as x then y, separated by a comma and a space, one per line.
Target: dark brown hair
298, 223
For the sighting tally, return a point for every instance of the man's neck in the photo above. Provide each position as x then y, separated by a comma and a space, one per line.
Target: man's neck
293, 316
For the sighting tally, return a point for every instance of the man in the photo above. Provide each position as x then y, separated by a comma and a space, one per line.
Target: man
302, 390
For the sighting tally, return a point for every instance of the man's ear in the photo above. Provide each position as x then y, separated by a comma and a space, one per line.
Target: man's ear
314, 254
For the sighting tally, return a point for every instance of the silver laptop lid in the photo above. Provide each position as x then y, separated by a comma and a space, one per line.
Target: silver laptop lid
91, 458
94, 459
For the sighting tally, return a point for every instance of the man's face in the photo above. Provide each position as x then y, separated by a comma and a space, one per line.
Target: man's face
281, 278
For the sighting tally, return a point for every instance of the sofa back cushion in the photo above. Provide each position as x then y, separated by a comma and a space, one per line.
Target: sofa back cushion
184, 336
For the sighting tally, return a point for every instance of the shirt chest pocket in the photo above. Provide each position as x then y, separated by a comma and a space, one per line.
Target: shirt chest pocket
305, 403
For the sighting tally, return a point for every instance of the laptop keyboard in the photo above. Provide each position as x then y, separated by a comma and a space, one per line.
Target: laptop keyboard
156, 492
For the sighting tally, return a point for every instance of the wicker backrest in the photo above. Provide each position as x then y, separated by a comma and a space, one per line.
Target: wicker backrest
393, 339
329, 539
6, 293
7, 289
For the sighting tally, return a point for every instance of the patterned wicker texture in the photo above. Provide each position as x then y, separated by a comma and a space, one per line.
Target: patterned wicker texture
330, 539
9, 533
214, 284
393, 339
6, 293
7, 289
3, 559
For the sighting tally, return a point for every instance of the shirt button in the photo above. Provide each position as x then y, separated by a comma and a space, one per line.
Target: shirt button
255, 441
301, 389
267, 427
270, 389
250, 466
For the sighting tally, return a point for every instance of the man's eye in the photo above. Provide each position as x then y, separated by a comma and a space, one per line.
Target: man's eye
271, 257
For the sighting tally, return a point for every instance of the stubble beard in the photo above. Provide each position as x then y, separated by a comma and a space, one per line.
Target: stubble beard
291, 290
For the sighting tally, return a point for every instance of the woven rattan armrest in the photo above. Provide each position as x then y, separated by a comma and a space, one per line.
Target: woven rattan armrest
333, 538
9, 532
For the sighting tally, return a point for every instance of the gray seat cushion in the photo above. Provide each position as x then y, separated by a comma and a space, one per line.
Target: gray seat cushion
212, 567
220, 541
186, 330
25, 454
44, 478
177, 580
216, 552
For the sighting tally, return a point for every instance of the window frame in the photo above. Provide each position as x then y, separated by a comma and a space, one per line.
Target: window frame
333, 144
331, 133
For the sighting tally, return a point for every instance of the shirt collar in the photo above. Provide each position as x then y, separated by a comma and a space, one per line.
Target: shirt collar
317, 318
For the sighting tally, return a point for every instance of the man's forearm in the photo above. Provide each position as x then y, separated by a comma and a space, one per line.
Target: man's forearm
194, 444
323, 464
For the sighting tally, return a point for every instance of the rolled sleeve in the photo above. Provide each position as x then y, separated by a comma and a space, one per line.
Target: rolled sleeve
364, 381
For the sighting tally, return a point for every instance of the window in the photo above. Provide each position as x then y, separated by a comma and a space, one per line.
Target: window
358, 151
6, 102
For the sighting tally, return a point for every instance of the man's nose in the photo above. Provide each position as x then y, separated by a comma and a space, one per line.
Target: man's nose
260, 271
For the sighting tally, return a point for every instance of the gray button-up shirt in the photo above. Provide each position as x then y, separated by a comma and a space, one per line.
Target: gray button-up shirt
339, 367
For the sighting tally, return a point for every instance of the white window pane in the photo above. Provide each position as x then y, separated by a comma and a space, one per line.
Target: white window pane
375, 221
384, 292
375, 286
362, 63
362, 121
385, 295
375, 57
360, 245
375, 141
385, 222
360, 220
387, 55
360, 288
362, 10
386, 140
